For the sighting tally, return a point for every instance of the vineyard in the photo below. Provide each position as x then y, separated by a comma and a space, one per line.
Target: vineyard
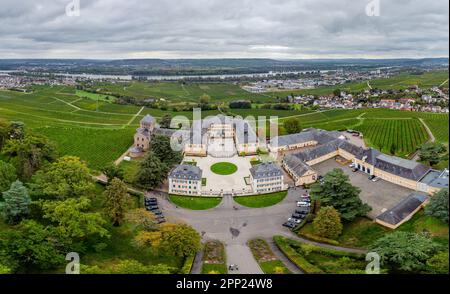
394, 136
439, 128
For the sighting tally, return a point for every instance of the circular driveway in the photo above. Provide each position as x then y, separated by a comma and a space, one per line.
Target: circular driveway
235, 225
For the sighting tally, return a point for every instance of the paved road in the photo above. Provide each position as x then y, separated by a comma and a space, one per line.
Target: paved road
235, 225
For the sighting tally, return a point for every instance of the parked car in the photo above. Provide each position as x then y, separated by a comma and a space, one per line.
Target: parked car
298, 216
160, 220
306, 196
354, 169
302, 210
157, 212
303, 203
294, 220
376, 179
152, 207
289, 225
352, 165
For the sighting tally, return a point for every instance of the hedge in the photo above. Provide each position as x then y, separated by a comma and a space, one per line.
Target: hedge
318, 238
187, 266
283, 244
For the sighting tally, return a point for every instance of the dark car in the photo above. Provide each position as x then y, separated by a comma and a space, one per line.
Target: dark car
151, 200
302, 211
298, 216
152, 207
290, 225
371, 177
160, 220
157, 212
354, 169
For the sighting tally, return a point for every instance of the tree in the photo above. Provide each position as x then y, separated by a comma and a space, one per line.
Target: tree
30, 245
7, 175
404, 251
117, 200
67, 177
432, 152
337, 191
438, 264
16, 130
142, 219
205, 99
292, 126
17, 202
29, 154
72, 219
128, 266
337, 92
183, 240
152, 172
438, 206
161, 148
112, 171
4, 132
327, 223
176, 239
165, 121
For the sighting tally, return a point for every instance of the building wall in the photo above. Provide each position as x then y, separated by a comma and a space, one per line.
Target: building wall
141, 141
407, 183
364, 166
267, 185
292, 147
195, 150
185, 187
345, 154
248, 149
308, 178
323, 158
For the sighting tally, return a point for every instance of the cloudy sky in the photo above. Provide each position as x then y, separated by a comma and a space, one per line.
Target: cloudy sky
223, 29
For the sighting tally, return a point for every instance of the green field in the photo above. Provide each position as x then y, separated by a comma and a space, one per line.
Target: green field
225, 92
195, 202
95, 96
224, 168
395, 136
100, 131
259, 201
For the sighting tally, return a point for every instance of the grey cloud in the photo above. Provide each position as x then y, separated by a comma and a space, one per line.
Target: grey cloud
223, 28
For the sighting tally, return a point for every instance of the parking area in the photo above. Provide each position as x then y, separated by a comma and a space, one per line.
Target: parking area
379, 195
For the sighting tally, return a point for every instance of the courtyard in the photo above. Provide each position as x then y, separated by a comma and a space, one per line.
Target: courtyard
219, 183
380, 195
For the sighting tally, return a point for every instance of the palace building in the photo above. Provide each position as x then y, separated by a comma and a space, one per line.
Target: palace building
320, 145
185, 179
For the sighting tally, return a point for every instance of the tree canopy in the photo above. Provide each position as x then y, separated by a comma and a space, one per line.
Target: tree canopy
161, 148
337, 191
16, 204
152, 172
28, 154
432, 153
67, 177
327, 223
7, 175
29, 246
438, 206
292, 126
404, 251
117, 201
73, 219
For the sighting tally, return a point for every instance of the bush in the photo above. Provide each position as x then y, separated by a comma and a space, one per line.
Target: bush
284, 245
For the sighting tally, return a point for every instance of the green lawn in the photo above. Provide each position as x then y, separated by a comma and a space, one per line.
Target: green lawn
314, 259
224, 168
258, 201
95, 96
195, 202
